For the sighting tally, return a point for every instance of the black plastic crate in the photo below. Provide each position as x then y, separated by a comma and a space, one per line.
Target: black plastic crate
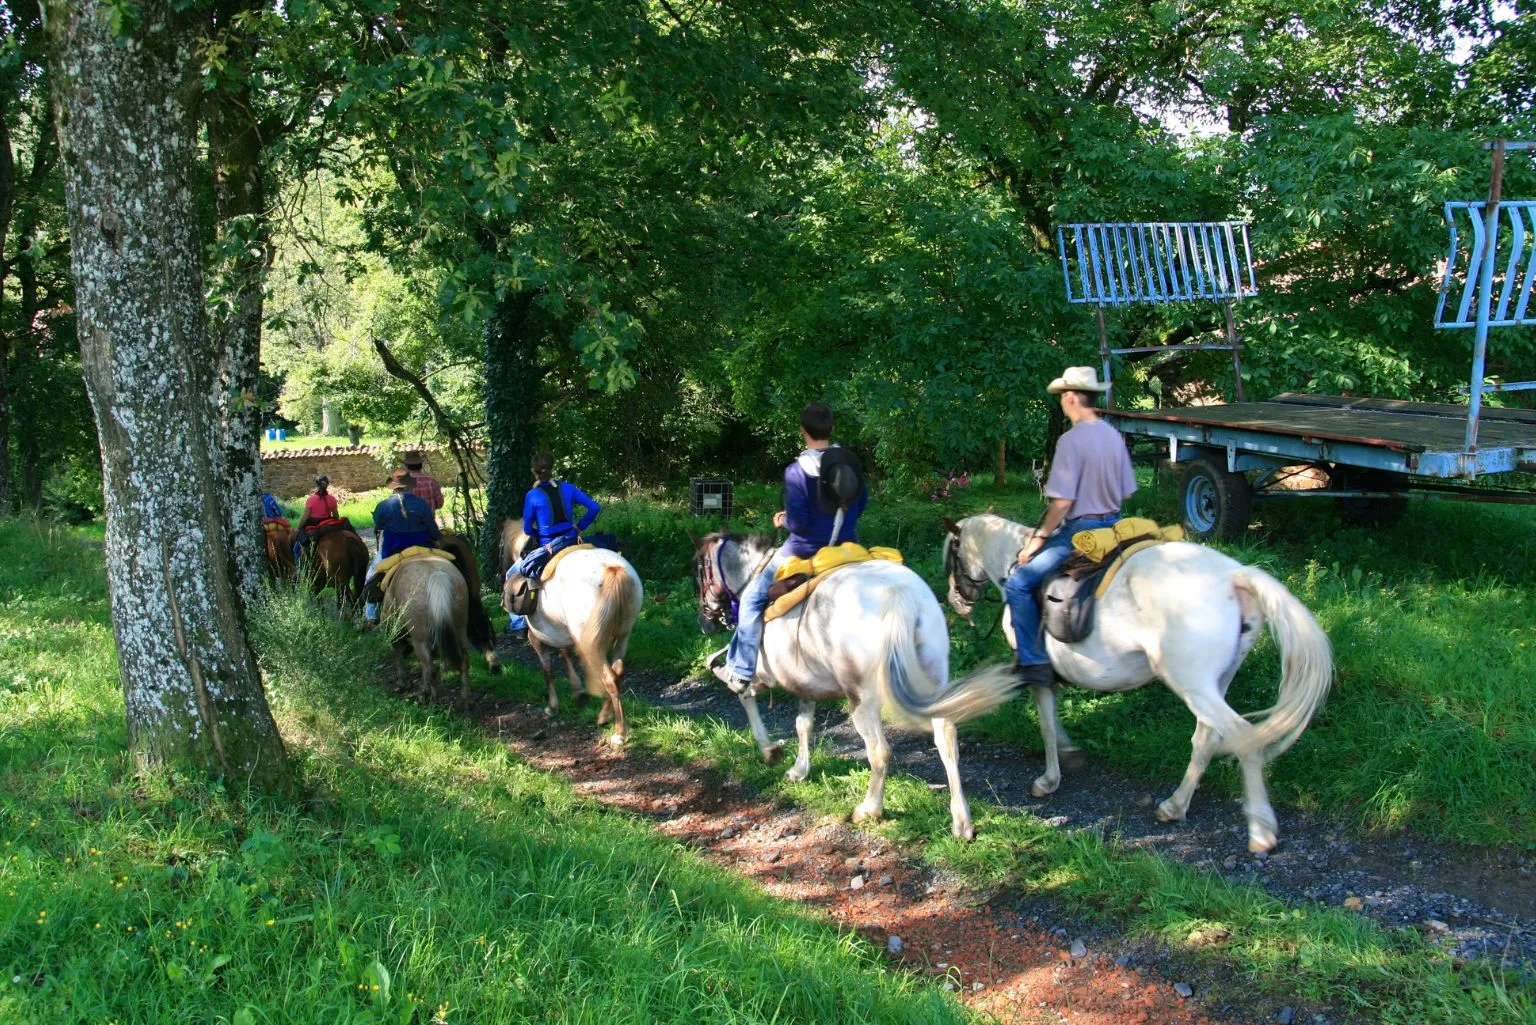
709, 496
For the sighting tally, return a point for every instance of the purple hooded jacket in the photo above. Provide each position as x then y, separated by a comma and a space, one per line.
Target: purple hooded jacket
809, 528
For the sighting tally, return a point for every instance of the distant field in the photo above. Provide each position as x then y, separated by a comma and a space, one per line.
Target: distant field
315, 441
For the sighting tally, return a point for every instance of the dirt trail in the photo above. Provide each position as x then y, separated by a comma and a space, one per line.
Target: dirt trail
1000, 961
1478, 903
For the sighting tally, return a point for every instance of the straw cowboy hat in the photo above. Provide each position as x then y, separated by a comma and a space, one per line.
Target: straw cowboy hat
1077, 379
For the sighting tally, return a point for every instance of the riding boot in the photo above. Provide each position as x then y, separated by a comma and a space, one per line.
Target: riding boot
1040, 675
373, 591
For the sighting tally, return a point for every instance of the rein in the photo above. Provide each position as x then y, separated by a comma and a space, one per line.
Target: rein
981, 585
725, 605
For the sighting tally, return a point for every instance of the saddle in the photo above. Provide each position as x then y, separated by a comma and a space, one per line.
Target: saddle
385, 571
272, 523
333, 525
524, 596
798, 578
1069, 599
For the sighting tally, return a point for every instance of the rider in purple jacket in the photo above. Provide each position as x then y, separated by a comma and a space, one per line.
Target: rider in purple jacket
810, 530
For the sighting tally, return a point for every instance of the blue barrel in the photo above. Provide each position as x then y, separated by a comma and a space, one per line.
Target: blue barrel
271, 433
282, 434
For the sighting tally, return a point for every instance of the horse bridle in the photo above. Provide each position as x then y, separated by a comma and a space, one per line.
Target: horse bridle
955, 569
717, 603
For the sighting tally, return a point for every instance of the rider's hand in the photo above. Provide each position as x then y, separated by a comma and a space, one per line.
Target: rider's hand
1031, 546
779, 518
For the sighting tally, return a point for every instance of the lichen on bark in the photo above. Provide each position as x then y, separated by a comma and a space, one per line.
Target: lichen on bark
125, 96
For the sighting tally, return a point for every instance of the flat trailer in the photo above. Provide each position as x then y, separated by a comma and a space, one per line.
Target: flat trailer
1370, 454
1373, 454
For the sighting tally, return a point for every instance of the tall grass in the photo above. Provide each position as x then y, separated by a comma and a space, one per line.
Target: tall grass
429, 877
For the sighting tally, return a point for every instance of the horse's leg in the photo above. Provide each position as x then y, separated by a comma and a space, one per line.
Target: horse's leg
1202, 746
771, 752
948, 743
611, 702
423, 648
399, 650
578, 689
1206, 700
805, 722
866, 719
1050, 734
552, 704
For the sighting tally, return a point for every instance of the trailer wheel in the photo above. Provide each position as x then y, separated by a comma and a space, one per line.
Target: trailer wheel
1216, 504
1368, 512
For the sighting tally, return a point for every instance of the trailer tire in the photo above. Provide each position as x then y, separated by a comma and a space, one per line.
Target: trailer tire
1368, 512
1216, 504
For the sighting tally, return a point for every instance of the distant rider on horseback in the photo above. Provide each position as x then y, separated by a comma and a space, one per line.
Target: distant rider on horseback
318, 507
402, 520
810, 530
547, 523
1091, 476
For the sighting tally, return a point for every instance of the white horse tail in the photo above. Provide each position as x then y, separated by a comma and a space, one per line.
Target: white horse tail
1306, 665
618, 605
911, 695
440, 624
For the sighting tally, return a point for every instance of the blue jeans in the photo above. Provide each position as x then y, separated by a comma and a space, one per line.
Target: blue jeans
1021, 589
742, 657
530, 564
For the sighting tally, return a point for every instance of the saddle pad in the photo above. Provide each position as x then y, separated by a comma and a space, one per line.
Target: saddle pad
549, 567
276, 523
389, 566
788, 601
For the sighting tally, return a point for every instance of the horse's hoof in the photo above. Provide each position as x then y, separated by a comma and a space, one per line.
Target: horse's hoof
1169, 812
550, 711
863, 813
773, 753
1261, 839
1044, 786
963, 831
494, 668
797, 773
617, 740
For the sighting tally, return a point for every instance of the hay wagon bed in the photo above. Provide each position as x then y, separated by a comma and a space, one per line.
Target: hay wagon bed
1374, 453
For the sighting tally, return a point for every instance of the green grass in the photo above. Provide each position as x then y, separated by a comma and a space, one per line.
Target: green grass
1430, 725
429, 877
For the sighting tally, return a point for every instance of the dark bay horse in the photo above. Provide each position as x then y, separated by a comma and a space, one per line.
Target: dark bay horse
482, 636
279, 543
339, 560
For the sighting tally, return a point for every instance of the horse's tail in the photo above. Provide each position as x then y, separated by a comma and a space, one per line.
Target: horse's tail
440, 620
911, 695
1306, 666
618, 605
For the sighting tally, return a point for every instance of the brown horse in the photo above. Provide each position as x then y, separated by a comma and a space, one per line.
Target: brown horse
279, 542
340, 560
482, 636
431, 601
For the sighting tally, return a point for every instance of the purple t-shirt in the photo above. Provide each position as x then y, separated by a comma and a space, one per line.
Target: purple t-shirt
1092, 468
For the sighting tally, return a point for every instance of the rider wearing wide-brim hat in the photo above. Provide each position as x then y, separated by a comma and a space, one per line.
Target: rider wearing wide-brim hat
1091, 477
401, 521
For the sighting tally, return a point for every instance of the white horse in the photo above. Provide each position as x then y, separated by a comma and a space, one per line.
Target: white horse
591, 605
1187, 615
871, 632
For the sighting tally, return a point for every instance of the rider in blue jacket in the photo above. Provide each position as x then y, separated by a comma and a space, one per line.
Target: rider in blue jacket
810, 530
547, 510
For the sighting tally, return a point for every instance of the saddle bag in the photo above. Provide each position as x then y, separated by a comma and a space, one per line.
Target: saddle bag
521, 596
1068, 604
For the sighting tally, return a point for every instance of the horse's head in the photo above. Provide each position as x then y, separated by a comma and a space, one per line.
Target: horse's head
967, 584
716, 610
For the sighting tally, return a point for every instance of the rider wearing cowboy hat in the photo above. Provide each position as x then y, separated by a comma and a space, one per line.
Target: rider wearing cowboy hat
402, 520
1091, 476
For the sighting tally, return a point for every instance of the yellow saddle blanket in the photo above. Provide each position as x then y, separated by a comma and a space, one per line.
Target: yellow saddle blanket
818, 567
549, 567
1099, 544
390, 566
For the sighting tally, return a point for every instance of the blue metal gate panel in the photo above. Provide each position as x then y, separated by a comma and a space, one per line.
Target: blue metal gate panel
1118, 263
1514, 265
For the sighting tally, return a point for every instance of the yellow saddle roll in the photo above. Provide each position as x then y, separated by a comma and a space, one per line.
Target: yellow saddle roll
1098, 544
831, 557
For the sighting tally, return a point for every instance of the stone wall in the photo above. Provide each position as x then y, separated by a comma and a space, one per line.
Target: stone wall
291, 473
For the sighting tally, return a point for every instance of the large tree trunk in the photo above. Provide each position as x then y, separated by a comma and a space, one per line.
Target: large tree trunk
511, 393
128, 135
7, 205
243, 248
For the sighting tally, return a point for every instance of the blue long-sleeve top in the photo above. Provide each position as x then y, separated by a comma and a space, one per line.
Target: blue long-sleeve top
403, 520
810, 529
542, 521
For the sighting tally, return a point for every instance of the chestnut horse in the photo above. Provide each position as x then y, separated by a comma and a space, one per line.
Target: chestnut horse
339, 560
279, 542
